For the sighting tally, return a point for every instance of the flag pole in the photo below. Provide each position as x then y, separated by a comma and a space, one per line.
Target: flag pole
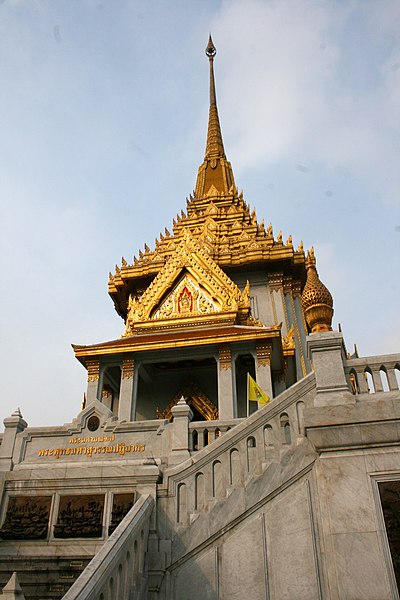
247, 392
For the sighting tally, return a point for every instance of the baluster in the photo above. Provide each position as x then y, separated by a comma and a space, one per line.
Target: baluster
392, 381
362, 382
200, 437
376, 377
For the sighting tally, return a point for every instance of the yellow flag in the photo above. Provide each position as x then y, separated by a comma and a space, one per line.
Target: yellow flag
255, 393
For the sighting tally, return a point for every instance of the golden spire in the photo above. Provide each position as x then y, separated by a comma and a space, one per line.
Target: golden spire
316, 299
215, 145
215, 174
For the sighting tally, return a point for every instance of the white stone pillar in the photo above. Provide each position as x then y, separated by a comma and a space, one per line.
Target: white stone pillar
263, 368
182, 415
226, 407
326, 352
13, 425
126, 389
93, 368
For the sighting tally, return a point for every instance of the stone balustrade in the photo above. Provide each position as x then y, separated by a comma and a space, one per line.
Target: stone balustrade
116, 572
203, 433
373, 374
238, 453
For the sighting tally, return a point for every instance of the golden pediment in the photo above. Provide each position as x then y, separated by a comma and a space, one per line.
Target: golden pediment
189, 286
186, 299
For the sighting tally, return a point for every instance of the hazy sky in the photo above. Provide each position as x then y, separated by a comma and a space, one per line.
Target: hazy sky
103, 109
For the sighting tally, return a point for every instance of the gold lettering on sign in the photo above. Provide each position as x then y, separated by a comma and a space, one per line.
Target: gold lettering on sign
93, 367
121, 449
89, 440
128, 368
263, 352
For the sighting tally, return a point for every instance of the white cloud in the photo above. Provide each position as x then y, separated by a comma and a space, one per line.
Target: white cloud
294, 84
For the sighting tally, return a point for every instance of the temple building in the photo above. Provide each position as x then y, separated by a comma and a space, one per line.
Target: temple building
169, 484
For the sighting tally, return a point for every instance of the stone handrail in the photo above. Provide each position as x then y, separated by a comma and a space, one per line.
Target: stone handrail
247, 448
203, 433
382, 370
116, 571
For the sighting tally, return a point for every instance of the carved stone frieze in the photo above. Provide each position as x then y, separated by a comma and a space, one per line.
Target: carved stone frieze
80, 516
122, 503
27, 518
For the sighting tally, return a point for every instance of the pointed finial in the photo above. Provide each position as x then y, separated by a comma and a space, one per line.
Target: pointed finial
316, 299
211, 50
215, 171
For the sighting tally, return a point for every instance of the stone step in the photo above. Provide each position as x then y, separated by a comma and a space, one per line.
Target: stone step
42, 577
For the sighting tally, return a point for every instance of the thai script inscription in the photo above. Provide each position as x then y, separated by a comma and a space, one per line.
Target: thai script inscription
91, 439
121, 449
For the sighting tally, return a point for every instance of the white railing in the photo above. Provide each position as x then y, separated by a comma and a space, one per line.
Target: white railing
240, 452
372, 374
116, 571
203, 433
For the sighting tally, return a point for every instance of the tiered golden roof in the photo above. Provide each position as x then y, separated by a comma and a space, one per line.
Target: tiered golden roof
217, 218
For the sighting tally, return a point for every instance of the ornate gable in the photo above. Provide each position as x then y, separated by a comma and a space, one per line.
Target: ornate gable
189, 290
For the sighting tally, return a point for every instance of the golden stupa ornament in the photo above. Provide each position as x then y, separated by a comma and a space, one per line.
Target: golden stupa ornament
316, 299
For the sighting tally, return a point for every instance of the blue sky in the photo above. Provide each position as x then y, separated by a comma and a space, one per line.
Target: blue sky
103, 109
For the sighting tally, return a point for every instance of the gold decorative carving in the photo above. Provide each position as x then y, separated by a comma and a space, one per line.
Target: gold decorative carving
193, 397
189, 267
263, 352
288, 340
128, 368
186, 299
225, 358
223, 225
275, 280
93, 368
296, 287
287, 284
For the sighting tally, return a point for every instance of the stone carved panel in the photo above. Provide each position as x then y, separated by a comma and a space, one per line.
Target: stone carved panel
80, 516
27, 518
122, 503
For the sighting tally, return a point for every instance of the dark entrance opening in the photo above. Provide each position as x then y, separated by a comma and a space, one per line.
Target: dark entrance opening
390, 498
